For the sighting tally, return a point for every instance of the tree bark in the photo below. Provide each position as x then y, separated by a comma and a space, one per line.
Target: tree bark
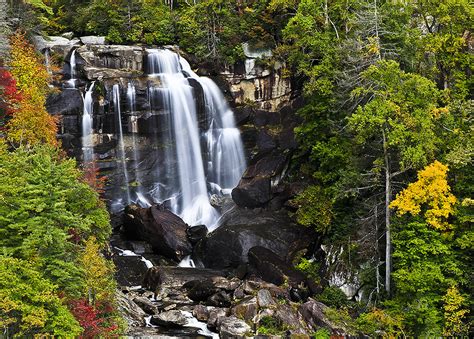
388, 197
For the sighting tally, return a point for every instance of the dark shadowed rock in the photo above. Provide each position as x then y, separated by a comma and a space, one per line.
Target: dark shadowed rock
255, 187
66, 102
200, 290
265, 142
228, 246
176, 277
220, 299
196, 233
270, 267
130, 270
165, 231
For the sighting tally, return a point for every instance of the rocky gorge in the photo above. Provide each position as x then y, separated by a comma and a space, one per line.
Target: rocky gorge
177, 277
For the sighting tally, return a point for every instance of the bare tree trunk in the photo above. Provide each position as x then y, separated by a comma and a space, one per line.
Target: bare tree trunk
377, 254
326, 14
388, 197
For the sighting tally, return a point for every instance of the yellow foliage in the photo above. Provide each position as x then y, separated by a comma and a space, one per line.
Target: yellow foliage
98, 273
453, 313
31, 123
431, 190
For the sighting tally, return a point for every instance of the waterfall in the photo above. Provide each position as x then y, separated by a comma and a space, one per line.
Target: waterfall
72, 63
133, 127
197, 150
121, 145
226, 160
192, 199
225, 151
87, 145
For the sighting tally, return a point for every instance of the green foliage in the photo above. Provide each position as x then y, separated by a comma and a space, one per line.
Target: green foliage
30, 304
44, 207
378, 323
333, 297
310, 268
425, 265
322, 333
314, 209
270, 326
403, 109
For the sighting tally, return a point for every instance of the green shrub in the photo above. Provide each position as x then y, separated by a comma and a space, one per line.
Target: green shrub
333, 297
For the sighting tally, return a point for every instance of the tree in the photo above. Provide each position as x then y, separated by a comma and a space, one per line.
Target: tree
9, 96
42, 208
399, 123
30, 304
431, 189
30, 123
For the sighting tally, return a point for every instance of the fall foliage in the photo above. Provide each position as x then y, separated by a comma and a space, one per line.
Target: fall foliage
30, 124
431, 191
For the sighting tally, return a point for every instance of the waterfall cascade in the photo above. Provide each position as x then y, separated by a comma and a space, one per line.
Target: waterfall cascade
196, 148
72, 63
121, 145
87, 144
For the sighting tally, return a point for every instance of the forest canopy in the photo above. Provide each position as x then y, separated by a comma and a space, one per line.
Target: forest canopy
385, 145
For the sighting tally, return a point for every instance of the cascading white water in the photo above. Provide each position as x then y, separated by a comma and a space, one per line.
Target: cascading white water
72, 63
192, 202
121, 145
133, 127
226, 160
190, 160
87, 145
225, 151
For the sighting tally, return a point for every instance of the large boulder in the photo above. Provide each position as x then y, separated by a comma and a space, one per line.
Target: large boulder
165, 231
232, 327
314, 313
228, 246
255, 187
174, 318
270, 267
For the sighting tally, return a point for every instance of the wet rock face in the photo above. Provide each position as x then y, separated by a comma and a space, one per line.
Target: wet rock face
165, 231
106, 57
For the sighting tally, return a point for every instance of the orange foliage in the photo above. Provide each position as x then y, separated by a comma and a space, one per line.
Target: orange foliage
92, 178
30, 123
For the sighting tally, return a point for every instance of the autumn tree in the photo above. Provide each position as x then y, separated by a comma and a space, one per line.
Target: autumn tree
31, 123
9, 96
427, 267
30, 303
398, 125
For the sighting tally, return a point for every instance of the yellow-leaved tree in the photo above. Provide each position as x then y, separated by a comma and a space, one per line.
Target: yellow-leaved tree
98, 273
432, 191
30, 124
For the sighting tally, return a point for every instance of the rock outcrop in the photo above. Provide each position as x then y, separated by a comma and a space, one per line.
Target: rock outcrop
165, 231
228, 246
